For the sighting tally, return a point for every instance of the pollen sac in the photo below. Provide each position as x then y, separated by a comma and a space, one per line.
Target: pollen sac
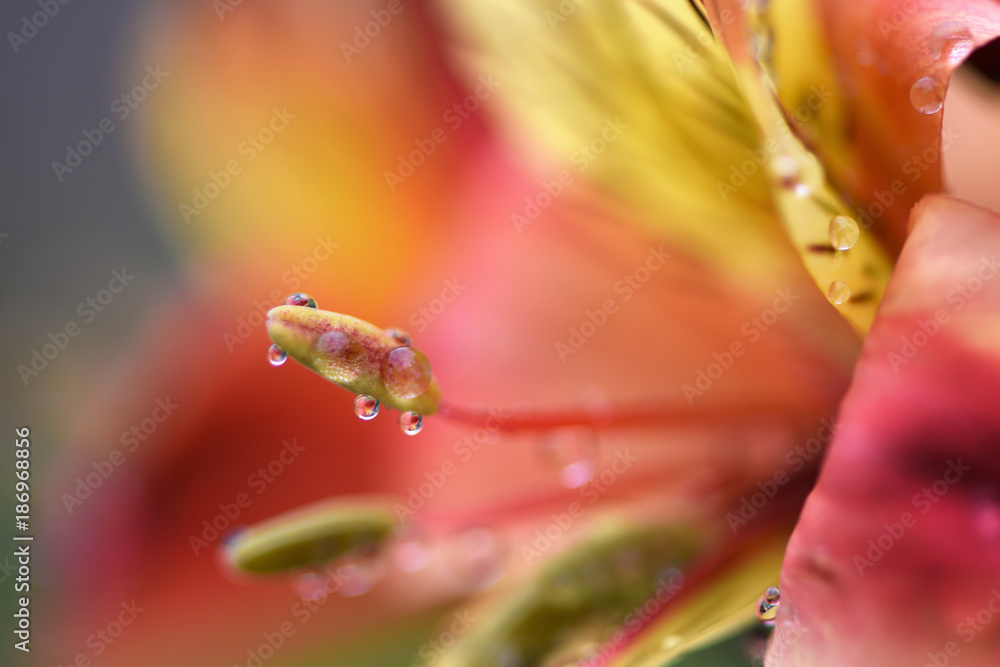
312, 536
357, 356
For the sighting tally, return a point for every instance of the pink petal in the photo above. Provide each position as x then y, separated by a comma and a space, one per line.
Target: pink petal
896, 558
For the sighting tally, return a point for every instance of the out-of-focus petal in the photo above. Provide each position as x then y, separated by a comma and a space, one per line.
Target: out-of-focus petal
895, 559
883, 68
639, 97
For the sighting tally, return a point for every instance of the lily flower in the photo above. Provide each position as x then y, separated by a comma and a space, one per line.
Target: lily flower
637, 274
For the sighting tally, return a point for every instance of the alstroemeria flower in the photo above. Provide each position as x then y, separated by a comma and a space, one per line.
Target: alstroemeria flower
610, 260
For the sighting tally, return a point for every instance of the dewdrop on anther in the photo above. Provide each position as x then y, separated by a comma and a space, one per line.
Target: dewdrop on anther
276, 355
366, 407
411, 423
300, 299
399, 336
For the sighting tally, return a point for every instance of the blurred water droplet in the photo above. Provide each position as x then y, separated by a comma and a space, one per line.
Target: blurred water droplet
671, 642
276, 355
839, 292
310, 586
573, 452
785, 169
951, 41
508, 656
356, 578
411, 423
926, 95
406, 372
864, 55
400, 336
412, 552
301, 300
987, 518
844, 232
767, 608
366, 407
477, 558
802, 190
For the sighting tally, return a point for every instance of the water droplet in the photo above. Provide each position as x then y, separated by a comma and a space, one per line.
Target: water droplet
366, 407
844, 232
926, 95
802, 190
356, 578
311, 586
671, 642
785, 169
400, 336
406, 372
411, 423
477, 558
412, 551
839, 292
301, 300
864, 55
574, 452
767, 608
276, 355
951, 41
